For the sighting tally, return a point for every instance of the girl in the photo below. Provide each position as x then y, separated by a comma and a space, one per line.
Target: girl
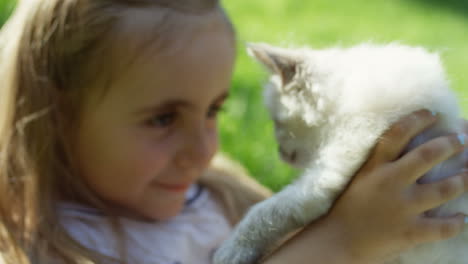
108, 130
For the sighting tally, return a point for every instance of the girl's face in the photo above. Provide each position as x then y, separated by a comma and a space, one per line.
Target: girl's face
154, 132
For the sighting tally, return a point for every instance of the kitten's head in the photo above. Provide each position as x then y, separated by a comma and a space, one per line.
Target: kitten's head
312, 93
297, 100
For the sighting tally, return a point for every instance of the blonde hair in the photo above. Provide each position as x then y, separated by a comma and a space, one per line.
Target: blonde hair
46, 48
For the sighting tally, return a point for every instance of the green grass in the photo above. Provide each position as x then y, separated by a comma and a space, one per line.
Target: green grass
5, 9
246, 130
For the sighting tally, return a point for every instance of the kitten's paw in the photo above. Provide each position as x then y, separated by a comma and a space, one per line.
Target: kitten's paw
232, 253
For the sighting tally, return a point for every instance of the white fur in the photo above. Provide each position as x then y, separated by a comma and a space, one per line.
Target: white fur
328, 118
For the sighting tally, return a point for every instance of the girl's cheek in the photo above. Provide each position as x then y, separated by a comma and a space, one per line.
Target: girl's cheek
215, 141
213, 138
155, 157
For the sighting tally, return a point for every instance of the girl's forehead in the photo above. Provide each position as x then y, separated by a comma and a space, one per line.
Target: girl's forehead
197, 66
160, 24
144, 33
149, 47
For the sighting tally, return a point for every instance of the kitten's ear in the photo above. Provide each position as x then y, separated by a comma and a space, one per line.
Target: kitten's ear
278, 61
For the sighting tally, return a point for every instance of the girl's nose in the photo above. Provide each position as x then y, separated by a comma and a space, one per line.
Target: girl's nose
198, 148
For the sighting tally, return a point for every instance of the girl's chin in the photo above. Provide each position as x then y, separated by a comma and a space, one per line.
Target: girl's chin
165, 213
153, 213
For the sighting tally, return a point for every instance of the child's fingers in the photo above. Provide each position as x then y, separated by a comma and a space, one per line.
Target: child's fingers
419, 161
430, 195
394, 140
434, 229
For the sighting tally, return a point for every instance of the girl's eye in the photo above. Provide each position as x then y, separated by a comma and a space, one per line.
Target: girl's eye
214, 110
162, 120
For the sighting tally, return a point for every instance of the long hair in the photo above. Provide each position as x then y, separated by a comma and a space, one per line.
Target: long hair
46, 48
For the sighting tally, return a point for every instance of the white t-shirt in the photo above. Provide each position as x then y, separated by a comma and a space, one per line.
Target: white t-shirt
189, 238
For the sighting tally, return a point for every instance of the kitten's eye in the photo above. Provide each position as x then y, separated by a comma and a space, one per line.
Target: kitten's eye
162, 120
214, 110
277, 122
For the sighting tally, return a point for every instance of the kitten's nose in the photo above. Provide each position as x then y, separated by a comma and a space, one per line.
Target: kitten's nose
289, 157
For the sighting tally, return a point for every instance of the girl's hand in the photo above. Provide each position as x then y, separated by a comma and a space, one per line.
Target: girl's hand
381, 212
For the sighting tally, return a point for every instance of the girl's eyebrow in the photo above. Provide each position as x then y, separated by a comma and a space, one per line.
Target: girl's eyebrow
177, 103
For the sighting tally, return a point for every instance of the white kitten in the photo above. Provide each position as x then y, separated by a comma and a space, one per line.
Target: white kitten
330, 107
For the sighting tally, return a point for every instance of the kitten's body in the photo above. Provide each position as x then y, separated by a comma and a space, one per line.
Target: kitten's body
330, 107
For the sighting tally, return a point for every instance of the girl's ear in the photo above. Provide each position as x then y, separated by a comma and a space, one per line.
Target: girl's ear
278, 61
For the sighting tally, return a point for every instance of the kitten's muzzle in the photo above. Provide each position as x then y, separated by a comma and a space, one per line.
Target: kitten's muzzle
289, 157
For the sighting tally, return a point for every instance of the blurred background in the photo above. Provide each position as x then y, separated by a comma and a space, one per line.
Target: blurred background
246, 131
